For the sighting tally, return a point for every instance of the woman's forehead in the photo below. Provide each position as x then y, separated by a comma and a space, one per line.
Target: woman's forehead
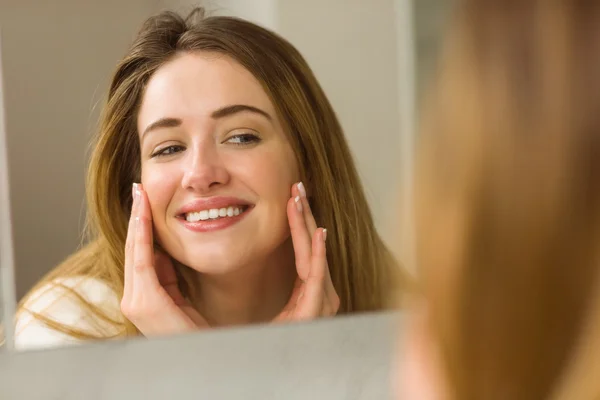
200, 83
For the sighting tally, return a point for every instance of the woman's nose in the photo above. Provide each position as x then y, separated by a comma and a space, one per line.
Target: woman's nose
204, 169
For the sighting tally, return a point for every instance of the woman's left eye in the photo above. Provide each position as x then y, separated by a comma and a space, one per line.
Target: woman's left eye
167, 151
243, 139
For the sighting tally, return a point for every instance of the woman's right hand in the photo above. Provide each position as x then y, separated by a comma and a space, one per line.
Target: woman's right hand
152, 300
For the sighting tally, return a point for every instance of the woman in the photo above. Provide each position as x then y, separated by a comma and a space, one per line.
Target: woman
508, 196
209, 124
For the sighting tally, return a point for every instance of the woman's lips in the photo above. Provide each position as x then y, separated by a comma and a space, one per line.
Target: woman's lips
190, 221
211, 203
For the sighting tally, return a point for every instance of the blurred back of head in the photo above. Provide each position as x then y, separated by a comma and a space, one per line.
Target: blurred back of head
508, 196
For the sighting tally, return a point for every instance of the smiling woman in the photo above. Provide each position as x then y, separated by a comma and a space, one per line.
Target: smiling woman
217, 168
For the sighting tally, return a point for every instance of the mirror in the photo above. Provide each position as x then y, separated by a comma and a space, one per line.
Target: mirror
367, 79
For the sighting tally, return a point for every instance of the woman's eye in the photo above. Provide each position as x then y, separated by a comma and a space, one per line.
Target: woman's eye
166, 151
245, 138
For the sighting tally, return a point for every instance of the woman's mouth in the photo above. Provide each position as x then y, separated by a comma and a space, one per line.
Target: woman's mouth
214, 219
214, 213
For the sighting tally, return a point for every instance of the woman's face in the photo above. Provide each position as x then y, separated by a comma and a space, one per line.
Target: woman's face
216, 163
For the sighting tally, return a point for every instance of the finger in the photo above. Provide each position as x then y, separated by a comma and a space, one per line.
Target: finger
167, 277
129, 244
309, 219
292, 303
331, 301
313, 296
330, 306
144, 273
165, 271
334, 300
311, 224
330, 292
172, 313
326, 310
328, 282
296, 292
301, 238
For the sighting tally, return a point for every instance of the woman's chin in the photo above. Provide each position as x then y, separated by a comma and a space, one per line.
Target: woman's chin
213, 264
214, 269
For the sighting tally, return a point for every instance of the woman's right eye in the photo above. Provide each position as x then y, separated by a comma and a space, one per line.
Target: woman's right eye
167, 151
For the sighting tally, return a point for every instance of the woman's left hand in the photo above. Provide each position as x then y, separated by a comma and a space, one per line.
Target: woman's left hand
314, 295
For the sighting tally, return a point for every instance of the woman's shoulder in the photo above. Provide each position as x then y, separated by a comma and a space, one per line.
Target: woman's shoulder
78, 304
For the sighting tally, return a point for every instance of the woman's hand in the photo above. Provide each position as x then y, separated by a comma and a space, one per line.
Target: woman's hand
152, 300
313, 295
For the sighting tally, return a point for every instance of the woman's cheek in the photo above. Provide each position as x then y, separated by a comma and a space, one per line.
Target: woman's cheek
160, 184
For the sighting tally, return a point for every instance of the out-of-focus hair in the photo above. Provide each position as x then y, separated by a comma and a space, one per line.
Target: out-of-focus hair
508, 199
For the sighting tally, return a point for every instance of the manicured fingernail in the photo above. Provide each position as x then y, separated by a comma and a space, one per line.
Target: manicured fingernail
324, 234
298, 203
301, 189
136, 193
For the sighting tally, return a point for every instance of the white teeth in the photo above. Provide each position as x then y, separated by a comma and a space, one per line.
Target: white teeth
213, 213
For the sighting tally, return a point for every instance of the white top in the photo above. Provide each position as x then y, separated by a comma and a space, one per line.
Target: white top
60, 305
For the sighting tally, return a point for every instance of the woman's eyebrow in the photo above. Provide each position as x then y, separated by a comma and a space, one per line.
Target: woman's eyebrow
223, 112
238, 108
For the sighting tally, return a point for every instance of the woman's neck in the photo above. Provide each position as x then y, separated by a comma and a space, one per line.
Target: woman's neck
253, 294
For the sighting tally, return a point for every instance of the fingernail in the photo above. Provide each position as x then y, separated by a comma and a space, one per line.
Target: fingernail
298, 203
137, 220
324, 235
136, 190
301, 189
136, 199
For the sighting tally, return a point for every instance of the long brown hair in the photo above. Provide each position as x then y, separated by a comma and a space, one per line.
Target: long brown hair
508, 194
362, 269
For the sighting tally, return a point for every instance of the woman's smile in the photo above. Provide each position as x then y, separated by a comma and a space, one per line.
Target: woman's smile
214, 213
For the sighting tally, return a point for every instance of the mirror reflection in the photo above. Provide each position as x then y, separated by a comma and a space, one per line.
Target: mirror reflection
221, 189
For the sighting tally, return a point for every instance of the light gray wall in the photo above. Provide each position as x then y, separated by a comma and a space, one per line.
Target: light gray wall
58, 56
351, 47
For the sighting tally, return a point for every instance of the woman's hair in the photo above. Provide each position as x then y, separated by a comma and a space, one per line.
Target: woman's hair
508, 196
363, 271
